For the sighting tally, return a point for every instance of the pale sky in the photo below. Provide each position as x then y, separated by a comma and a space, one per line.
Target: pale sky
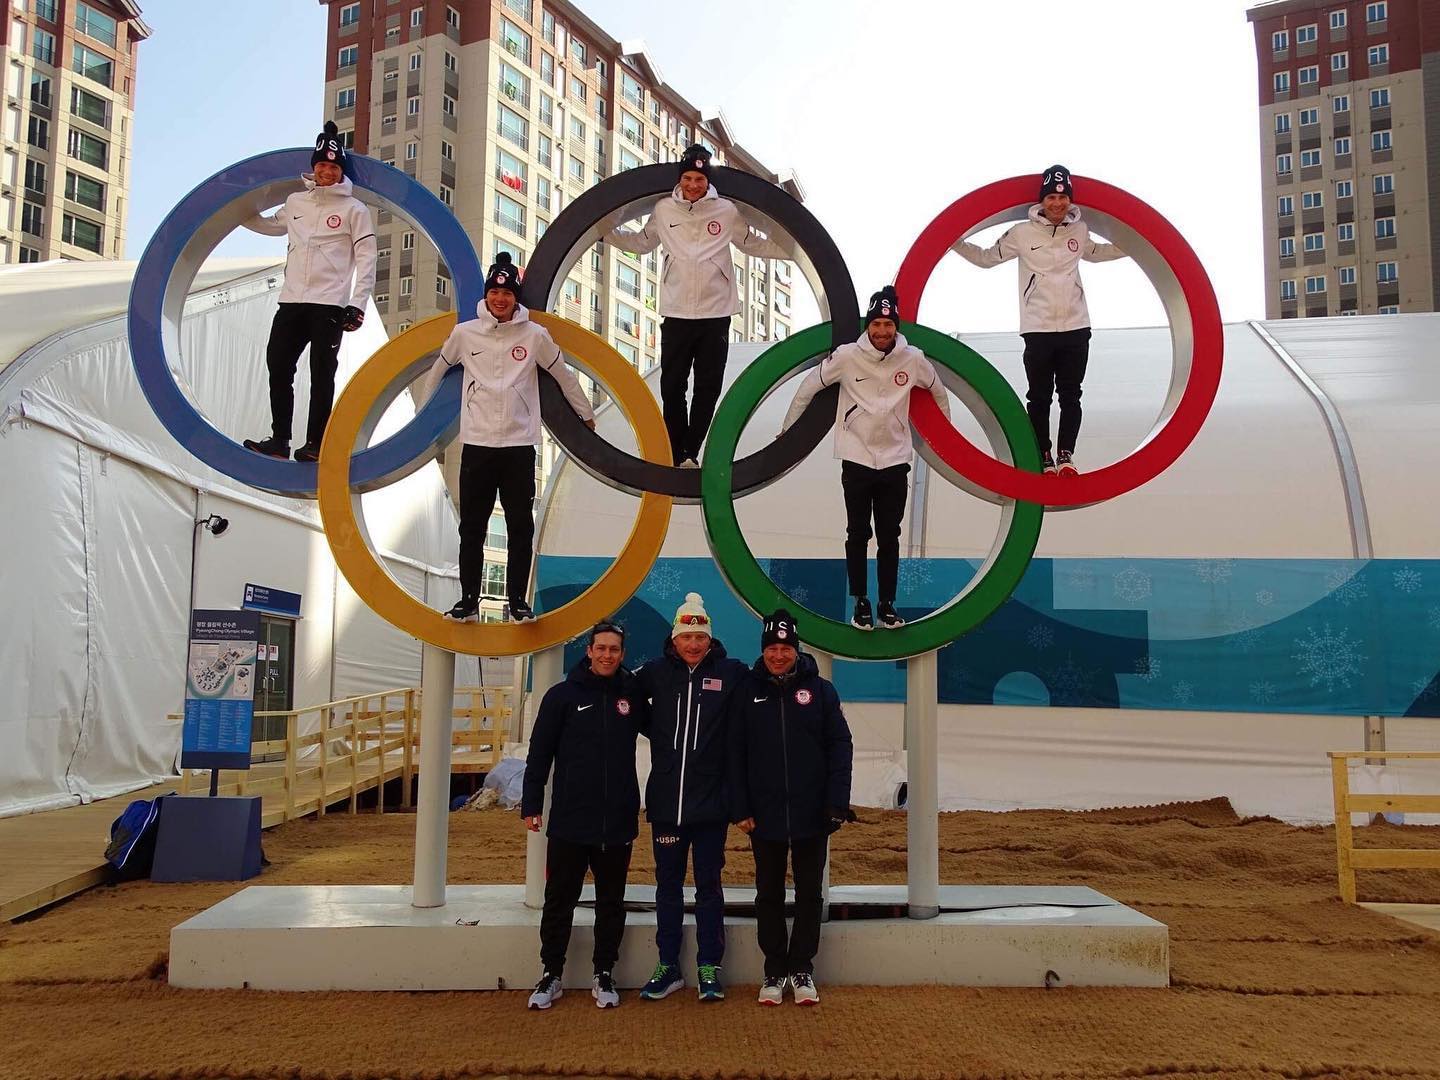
887, 112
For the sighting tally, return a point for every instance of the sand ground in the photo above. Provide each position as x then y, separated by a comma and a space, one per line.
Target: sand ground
1271, 974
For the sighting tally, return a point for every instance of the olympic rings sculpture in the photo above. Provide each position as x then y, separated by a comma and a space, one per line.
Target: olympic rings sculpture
1011, 478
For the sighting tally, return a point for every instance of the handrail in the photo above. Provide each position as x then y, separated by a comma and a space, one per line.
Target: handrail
1349, 858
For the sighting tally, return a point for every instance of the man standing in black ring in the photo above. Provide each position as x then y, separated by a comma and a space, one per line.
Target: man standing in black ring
872, 440
698, 295
1054, 319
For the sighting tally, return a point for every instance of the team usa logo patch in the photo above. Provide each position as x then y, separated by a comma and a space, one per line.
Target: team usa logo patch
713, 228
901, 378
519, 352
1073, 244
710, 684
803, 697
333, 221
622, 707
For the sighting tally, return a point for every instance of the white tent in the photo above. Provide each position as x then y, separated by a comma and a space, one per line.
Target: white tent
100, 503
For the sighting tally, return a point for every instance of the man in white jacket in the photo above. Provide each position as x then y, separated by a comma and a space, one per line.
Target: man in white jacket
1054, 320
331, 238
697, 295
502, 352
872, 440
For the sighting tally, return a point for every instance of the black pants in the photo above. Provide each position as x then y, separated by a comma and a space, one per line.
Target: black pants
704, 345
1055, 365
673, 845
807, 863
484, 472
878, 494
565, 866
296, 326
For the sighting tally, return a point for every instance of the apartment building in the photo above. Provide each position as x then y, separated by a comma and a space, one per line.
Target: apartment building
65, 144
1350, 141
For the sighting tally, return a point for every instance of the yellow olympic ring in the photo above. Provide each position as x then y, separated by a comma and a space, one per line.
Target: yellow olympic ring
340, 509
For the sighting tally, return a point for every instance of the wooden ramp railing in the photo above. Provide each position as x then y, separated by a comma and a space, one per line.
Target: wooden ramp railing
1348, 857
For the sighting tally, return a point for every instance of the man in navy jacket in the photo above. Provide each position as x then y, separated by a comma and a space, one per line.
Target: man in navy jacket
586, 731
689, 690
790, 767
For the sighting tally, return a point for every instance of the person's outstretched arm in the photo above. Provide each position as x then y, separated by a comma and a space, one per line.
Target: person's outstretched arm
936, 387
1098, 252
820, 377
574, 393
1003, 250
448, 358
762, 247
638, 243
270, 224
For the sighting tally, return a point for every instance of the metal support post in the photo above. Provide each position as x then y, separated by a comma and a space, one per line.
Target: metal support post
922, 770
432, 821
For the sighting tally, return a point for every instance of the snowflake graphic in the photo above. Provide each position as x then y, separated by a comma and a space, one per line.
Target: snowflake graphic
1213, 571
1243, 640
1433, 614
1346, 587
1407, 580
800, 595
1040, 636
1263, 692
665, 581
1329, 657
1183, 692
1067, 682
914, 574
1425, 689
1148, 668
1079, 578
1264, 598
1132, 585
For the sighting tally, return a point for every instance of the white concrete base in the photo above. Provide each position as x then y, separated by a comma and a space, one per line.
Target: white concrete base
369, 937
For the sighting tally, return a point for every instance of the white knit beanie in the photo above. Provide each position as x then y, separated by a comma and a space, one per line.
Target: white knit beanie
690, 617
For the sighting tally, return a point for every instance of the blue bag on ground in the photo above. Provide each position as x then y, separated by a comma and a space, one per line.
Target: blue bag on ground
131, 851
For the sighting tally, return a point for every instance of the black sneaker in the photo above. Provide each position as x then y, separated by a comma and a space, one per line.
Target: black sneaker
887, 615
862, 619
1047, 464
308, 452
271, 447
520, 611
466, 609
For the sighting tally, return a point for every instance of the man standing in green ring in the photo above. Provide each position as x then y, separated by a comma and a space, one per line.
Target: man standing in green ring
872, 441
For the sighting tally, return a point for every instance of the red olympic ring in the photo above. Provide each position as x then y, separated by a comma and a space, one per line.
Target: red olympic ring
996, 202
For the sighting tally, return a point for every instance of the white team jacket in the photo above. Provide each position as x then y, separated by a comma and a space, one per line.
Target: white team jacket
500, 399
331, 236
699, 277
1051, 296
872, 419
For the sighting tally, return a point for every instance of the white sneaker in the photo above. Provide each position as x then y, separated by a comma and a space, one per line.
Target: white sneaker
772, 990
803, 985
689, 463
602, 989
547, 991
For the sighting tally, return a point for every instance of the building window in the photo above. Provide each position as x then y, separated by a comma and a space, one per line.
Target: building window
1342, 146
1287, 205
412, 150
1287, 247
1347, 275
417, 16
452, 64
577, 169
628, 160
1282, 85
1344, 189
38, 135
82, 233
1282, 123
627, 279
85, 191
631, 90
578, 90
1380, 97
1385, 184
577, 50
542, 192
415, 61
382, 300
514, 40
514, 127
1314, 241
345, 99
452, 18
1380, 140
1342, 103
1376, 12
43, 47
349, 15
1312, 200
510, 214
349, 56
1337, 19
1287, 290
407, 285
1315, 284
512, 172
1309, 116
1309, 76
447, 150
447, 196
39, 89
1345, 232
1282, 163
1387, 272
447, 105
1384, 228
407, 241
545, 151
32, 219
442, 285
627, 319
1307, 35
1388, 309
572, 291
1340, 61
92, 65
1379, 54
34, 178
29, 255
1280, 40
1309, 159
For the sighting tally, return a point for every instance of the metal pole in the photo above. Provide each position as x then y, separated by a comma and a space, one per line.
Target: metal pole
922, 771
546, 669
826, 663
432, 822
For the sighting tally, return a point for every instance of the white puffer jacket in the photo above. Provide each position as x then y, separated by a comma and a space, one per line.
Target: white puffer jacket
699, 277
500, 399
872, 419
331, 237
1051, 296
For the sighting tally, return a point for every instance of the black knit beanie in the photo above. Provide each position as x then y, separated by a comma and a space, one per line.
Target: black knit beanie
503, 275
328, 147
1056, 181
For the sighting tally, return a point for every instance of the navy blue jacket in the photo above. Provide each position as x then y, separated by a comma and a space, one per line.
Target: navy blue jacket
687, 724
790, 753
586, 729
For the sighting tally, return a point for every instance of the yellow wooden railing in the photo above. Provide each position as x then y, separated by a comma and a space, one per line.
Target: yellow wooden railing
1348, 857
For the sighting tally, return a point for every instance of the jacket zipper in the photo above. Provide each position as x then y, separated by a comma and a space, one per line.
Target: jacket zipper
604, 767
684, 746
785, 761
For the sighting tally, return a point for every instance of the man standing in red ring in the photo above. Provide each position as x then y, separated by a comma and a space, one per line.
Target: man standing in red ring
331, 237
502, 352
1054, 320
698, 295
872, 441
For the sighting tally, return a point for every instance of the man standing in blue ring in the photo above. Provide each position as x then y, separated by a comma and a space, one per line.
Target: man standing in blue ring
698, 295
791, 757
1054, 319
585, 733
876, 374
689, 689
330, 238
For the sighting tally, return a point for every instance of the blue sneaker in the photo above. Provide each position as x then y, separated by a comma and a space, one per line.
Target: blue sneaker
711, 989
666, 980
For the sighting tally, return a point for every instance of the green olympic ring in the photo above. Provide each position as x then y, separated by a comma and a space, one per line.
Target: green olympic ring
993, 582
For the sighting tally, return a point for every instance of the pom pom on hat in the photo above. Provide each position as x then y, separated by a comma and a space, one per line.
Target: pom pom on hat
690, 617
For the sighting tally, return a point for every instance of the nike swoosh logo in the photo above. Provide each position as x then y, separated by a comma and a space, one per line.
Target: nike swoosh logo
674, 225
861, 378
582, 708
1037, 247
762, 699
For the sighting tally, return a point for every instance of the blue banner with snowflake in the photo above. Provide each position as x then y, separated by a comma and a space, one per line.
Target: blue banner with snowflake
1347, 637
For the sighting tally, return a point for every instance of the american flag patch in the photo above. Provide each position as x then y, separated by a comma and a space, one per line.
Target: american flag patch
710, 684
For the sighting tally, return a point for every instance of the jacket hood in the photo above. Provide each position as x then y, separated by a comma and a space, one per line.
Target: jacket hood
710, 193
875, 355
488, 324
1037, 215
582, 675
805, 668
717, 651
344, 187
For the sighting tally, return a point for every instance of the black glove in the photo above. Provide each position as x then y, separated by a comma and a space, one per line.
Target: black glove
352, 318
838, 818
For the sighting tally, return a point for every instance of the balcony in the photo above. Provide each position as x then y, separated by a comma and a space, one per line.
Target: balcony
514, 181
518, 50
514, 135
518, 94
631, 289
507, 221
